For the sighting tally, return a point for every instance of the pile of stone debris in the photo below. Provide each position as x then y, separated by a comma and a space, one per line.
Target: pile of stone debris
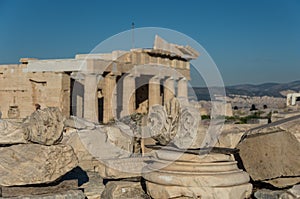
48, 156
32, 159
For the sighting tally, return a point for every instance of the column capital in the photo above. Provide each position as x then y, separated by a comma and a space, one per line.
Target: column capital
133, 75
169, 78
155, 78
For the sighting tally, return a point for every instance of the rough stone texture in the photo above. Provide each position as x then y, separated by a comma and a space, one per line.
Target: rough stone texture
85, 160
282, 182
91, 148
79, 123
11, 133
232, 134
34, 164
293, 127
268, 194
94, 187
292, 193
173, 174
74, 194
121, 136
44, 126
271, 155
101, 143
122, 168
123, 190
15, 191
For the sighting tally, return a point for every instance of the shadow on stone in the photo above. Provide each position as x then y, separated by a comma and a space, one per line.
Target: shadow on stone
76, 173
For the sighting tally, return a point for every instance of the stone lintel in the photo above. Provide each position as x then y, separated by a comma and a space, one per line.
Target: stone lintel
56, 65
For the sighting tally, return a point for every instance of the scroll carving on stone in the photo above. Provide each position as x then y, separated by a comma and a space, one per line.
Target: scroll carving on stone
173, 123
188, 124
42, 126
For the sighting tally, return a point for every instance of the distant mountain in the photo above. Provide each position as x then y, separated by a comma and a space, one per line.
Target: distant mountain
266, 89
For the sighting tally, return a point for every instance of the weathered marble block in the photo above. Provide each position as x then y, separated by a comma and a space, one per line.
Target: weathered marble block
25, 164
42, 127
272, 155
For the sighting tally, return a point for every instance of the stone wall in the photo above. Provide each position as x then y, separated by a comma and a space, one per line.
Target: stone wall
20, 91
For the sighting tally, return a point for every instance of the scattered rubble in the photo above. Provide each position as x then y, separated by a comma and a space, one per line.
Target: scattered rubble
36, 158
48, 149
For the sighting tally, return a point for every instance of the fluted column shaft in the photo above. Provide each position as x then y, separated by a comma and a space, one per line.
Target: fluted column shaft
154, 91
182, 88
110, 99
90, 98
169, 89
128, 98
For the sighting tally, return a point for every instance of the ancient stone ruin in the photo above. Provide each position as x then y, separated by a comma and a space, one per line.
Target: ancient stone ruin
120, 125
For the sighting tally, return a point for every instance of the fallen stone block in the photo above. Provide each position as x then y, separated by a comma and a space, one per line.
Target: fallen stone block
271, 155
74, 194
44, 126
292, 193
79, 123
283, 182
15, 191
26, 164
122, 168
94, 187
123, 190
268, 194
11, 133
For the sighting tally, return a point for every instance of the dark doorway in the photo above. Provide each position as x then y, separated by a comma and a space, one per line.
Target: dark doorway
142, 89
100, 109
76, 93
141, 94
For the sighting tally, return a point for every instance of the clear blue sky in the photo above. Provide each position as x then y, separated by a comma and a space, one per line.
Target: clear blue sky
251, 41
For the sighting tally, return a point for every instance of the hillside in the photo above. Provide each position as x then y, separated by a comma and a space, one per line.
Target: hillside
266, 89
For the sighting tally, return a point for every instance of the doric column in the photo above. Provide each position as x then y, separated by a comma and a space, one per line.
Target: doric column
90, 98
182, 88
169, 89
154, 91
110, 99
128, 98
79, 106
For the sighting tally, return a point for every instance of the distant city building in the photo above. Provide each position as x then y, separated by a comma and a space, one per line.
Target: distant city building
291, 99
